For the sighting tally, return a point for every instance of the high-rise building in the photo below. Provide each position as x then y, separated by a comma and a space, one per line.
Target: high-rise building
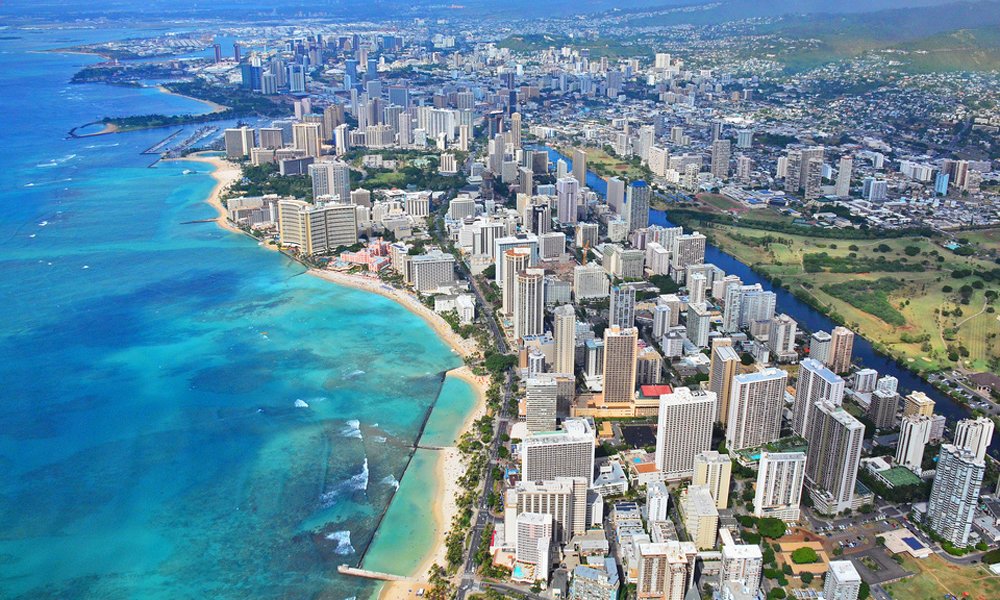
819, 346
755, 404
540, 404
697, 284
744, 138
782, 336
565, 339
841, 349
529, 303
687, 249
271, 137
580, 167
701, 518
331, 179
955, 494
914, 433
846, 165
649, 367
565, 453
721, 150
515, 260
316, 229
430, 270
616, 194
714, 470
842, 581
534, 538
835, 441
307, 137
637, 205
683, 430
780, 476
974, 435
239, 142
565, 498
590, 281
621, 311
666, 570
567, 190
699, 320
721, 371
882, 408
918, 403
815, 383
620, 349
743, 563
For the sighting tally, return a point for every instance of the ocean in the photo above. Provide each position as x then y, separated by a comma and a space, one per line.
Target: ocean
151, 445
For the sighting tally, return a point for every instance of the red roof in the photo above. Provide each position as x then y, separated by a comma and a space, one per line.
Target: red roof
655, 391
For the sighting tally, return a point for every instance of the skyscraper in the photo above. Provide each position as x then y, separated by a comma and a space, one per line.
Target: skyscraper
565, 339
529, 302
567, 190
780, 476
699, 320
540, 404
331, 179
580, 167
683, 430
974, 435
239, 142
844, 176
755, 405
621, 311
515, 260
955, 494
918, 403
841, 349
620, 351
721, 150
815, 383
306, 137
616, 194
835, 440
713, 470
914, 433
721, 371
639, 194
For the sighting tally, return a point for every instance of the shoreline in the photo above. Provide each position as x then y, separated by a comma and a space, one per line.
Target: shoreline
458, 344
449, 468
215, 106
450, 464
224, 173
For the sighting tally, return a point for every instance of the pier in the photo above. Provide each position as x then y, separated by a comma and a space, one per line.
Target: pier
365, 573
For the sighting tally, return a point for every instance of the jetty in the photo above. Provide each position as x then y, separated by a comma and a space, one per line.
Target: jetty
367, 574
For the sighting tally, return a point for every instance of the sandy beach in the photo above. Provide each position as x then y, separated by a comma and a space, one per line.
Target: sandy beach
215, 106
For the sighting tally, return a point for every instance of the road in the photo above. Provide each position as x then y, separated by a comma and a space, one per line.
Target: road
469, 581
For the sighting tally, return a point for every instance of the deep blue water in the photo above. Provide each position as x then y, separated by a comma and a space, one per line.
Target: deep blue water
150, 446
807, 317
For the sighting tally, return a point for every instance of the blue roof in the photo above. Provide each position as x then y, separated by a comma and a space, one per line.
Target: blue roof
913, 543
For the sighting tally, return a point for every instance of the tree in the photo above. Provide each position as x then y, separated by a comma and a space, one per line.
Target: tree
804, 556
771, 528
776, 594
806, 577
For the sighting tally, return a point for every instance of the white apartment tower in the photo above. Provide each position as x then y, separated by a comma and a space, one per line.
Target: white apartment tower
683, 430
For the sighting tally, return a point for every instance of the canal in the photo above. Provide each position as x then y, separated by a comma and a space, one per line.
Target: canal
806, 316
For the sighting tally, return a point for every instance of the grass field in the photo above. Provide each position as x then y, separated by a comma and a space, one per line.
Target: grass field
927, 299
935, 578
606, 165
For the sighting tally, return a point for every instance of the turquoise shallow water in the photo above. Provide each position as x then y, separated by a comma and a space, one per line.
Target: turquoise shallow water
149, 442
